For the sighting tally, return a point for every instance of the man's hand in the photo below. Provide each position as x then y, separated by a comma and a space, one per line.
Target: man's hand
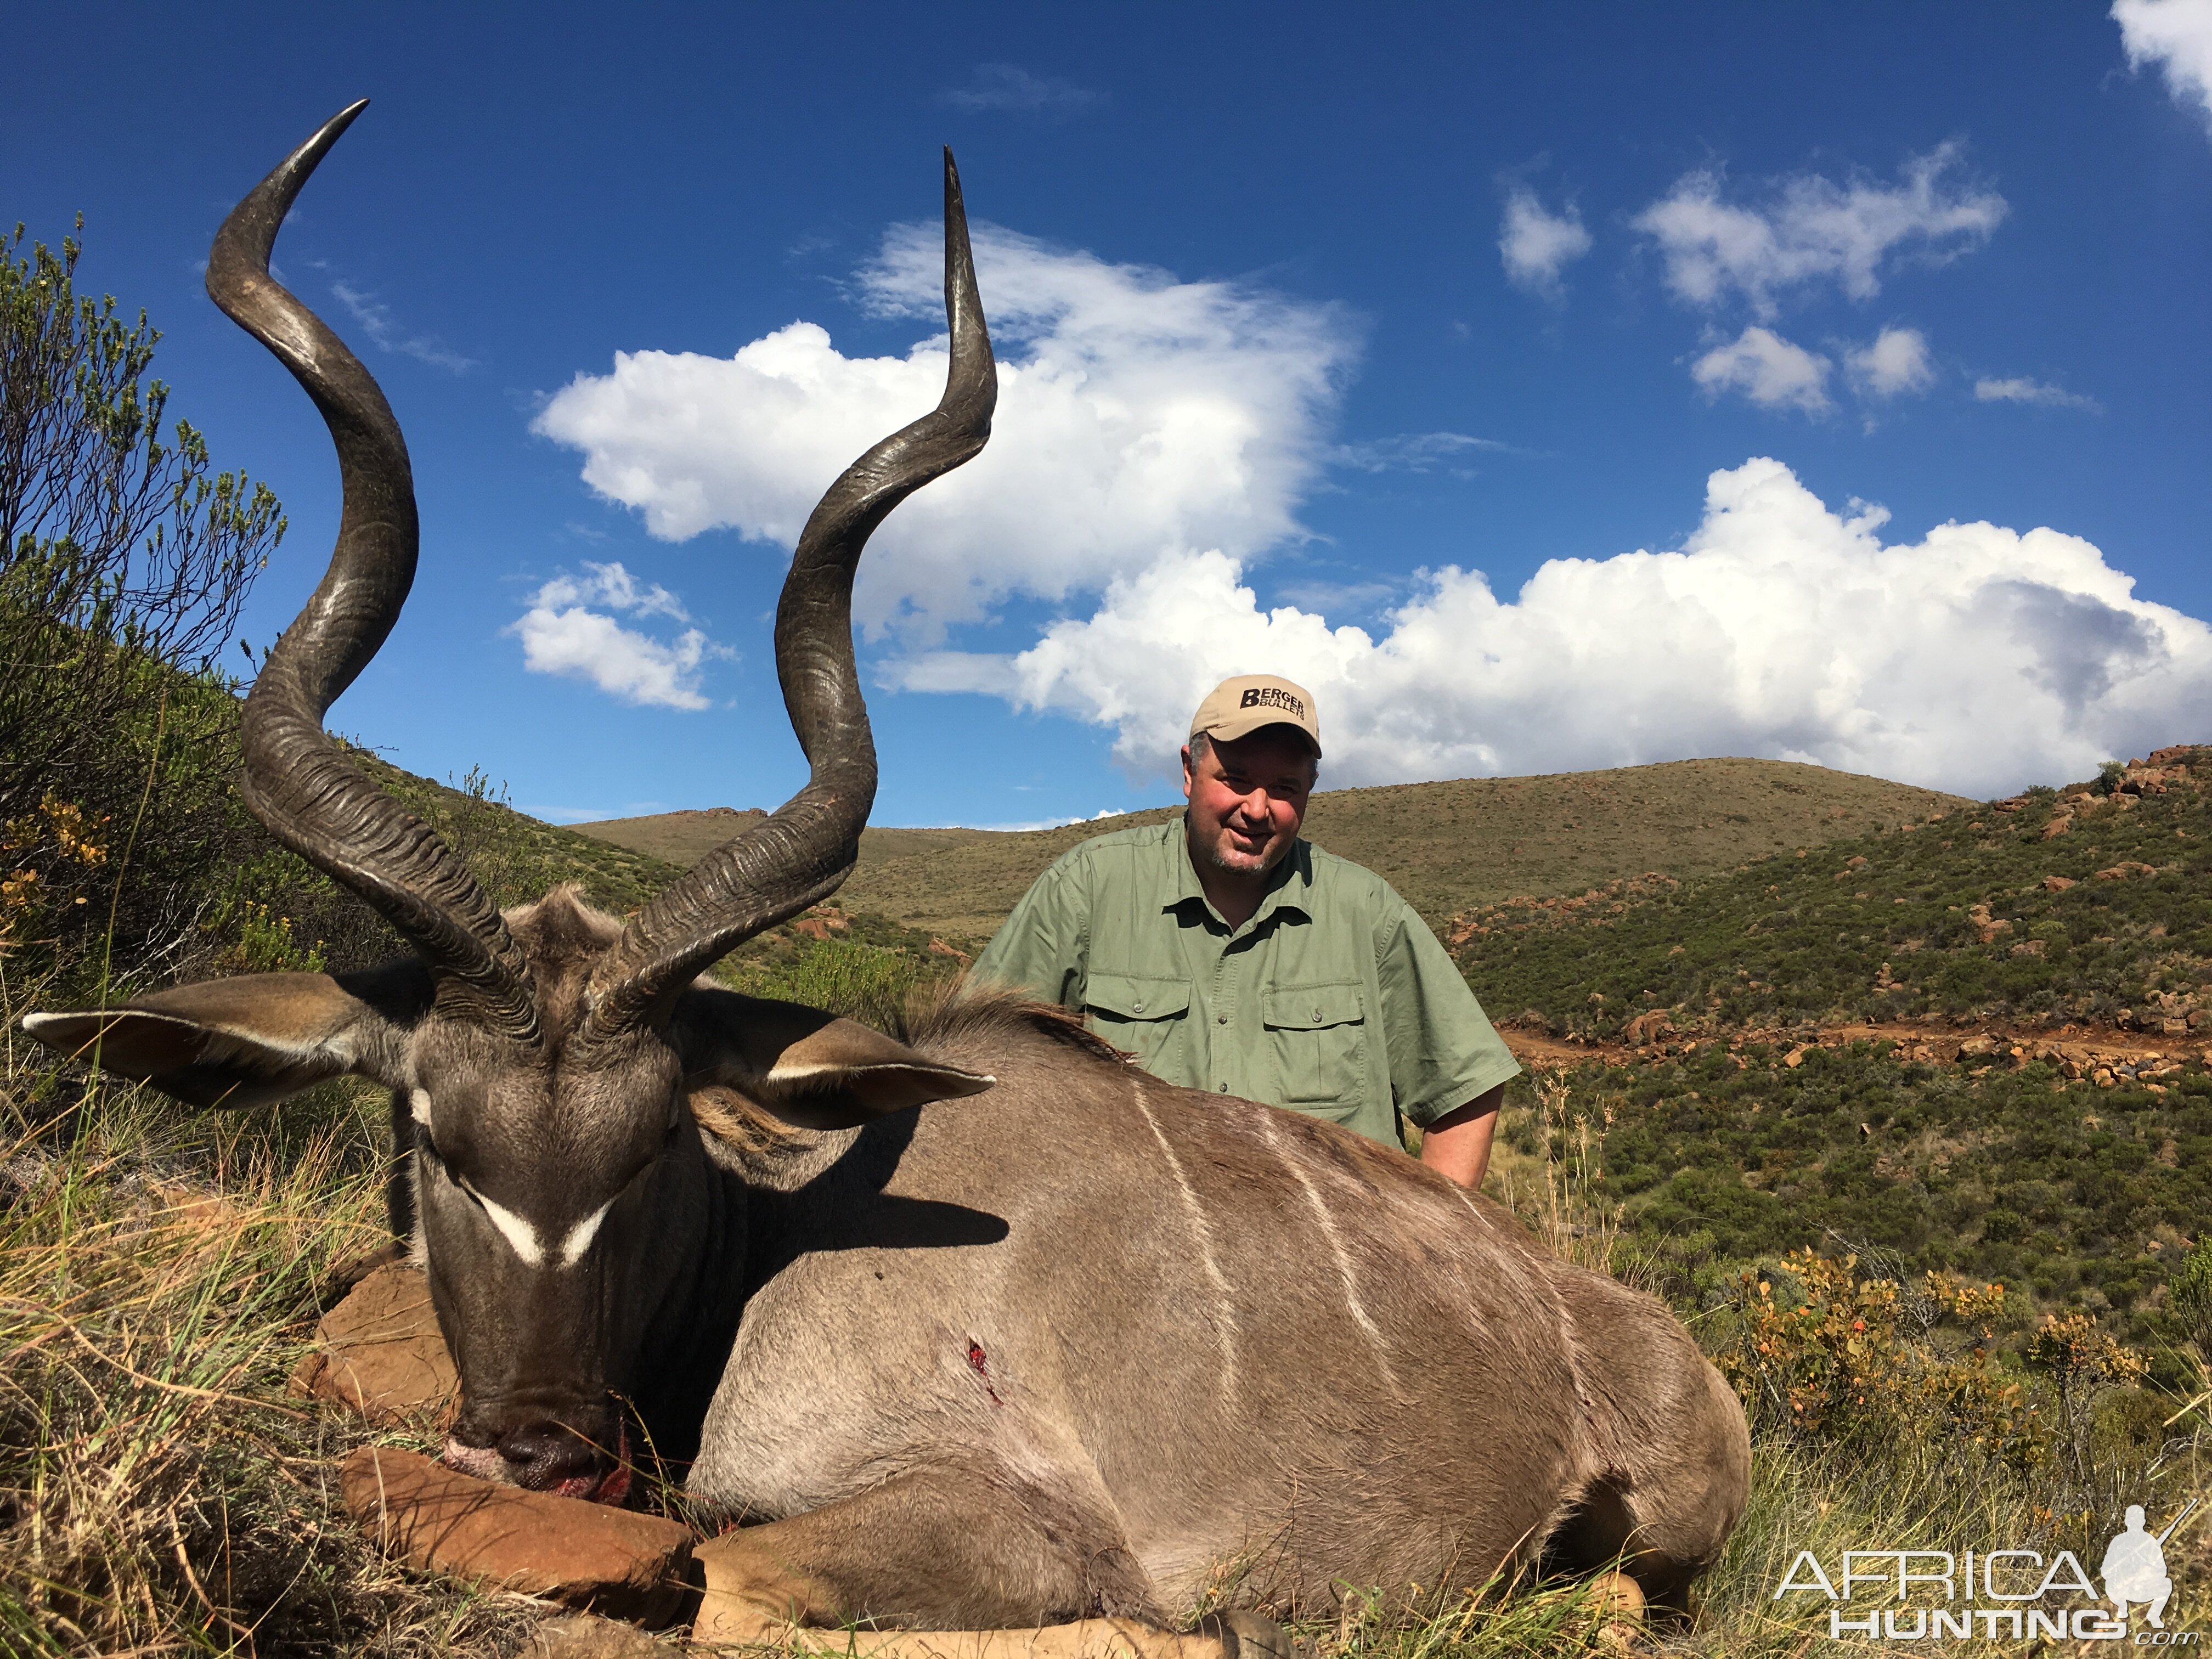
1458, 1143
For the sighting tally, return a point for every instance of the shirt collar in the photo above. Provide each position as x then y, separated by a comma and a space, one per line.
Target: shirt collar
1288, 885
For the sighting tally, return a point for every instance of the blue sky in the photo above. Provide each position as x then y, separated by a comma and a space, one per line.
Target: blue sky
1533, 383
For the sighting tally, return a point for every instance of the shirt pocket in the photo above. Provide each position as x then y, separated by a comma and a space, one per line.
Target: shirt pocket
1318, 1033
1140, 1015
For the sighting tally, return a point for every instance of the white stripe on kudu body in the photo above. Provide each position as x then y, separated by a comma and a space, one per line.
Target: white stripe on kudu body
1224, 1325
1344, 1272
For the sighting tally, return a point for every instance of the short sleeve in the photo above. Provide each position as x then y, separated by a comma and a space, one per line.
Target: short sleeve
1443, 1049
1042, 948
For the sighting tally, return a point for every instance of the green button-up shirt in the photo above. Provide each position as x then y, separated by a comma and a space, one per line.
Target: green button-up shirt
1333, 999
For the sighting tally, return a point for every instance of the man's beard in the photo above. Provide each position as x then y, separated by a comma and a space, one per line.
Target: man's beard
1215, 853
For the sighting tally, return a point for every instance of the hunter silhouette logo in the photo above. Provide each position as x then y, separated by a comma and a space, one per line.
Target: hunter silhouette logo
2021, 1594
2134, 1569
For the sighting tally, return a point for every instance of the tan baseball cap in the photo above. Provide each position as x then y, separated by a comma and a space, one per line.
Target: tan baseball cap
1239, 706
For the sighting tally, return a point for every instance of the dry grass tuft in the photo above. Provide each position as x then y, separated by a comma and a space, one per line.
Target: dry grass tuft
160, 1493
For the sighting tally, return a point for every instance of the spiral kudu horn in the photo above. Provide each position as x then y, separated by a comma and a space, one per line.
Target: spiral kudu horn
804, 851
297, 782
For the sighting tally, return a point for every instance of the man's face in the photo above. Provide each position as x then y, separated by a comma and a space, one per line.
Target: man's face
1247, 800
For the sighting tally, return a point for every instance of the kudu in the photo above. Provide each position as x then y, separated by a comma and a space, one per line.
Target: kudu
1078, 1353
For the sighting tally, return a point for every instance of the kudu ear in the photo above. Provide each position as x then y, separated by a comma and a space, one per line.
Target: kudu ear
811, 1069
248, 1040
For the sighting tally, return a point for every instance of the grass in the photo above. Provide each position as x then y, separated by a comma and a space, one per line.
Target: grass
1447, 847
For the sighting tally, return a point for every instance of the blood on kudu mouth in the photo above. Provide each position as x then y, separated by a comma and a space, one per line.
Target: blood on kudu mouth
486, 1463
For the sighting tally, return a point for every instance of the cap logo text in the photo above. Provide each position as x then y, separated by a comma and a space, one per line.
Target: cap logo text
1272, 697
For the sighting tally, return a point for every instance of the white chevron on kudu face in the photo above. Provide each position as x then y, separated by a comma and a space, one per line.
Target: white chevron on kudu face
524, 1236
578, 1238
516, 1229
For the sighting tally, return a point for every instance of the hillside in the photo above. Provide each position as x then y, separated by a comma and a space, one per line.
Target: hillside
1447, 847
515, 856
1978, 1045
2082, 906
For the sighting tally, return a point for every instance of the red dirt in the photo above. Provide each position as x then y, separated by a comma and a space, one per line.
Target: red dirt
2079, 1051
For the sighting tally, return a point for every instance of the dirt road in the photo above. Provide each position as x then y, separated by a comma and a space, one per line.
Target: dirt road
2098, 1053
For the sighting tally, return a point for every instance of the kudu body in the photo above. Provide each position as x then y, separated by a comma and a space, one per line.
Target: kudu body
1085, 1347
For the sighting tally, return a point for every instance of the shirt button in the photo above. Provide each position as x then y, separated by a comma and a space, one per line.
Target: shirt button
1221, 1019
1224, 1088
1316, 1013
1136, 1007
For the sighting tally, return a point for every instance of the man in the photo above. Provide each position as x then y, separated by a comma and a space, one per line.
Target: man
1228, 955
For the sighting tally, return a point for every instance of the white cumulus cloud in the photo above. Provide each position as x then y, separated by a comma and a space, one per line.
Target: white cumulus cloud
1897, 362
2177, 36
1536, 244
1977, 659
1771, 371
2022, 390
561, 633
1808, 230
1136, 413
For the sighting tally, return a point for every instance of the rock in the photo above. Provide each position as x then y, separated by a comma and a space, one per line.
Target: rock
1986, 925
2032, 947
379, 1353
587, 1635
338, 1283
2058, 826
2058, 883
580, 1554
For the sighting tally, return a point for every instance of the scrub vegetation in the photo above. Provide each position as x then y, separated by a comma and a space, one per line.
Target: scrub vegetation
1961, 1293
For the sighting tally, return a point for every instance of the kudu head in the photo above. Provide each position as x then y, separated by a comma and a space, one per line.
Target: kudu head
543, 1056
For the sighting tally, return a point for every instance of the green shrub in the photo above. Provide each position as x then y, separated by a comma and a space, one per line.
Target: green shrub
1835, 1354
2189, 1292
